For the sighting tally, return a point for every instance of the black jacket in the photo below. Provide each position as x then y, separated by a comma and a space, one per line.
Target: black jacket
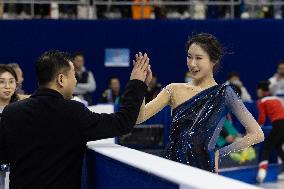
44, 137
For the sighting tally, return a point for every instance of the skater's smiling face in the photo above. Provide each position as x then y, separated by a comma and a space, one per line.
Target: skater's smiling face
204, 53
199, 63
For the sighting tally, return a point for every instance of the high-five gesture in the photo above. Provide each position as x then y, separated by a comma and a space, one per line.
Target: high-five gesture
140, 68
143, 59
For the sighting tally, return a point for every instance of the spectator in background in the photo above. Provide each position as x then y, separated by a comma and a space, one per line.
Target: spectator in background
234, 78
153, 89
86, 83
271, 107
8, 94
1, 9
42, 10
277, 82
159, 10
223, 11
20, 77
68, 11
125, 10
110, 11
141, 11
112, 94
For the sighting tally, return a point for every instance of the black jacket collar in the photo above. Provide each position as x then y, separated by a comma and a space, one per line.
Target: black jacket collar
47, 92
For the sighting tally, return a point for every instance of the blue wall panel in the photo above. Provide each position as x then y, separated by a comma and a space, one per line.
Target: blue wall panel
253, 46
101, 172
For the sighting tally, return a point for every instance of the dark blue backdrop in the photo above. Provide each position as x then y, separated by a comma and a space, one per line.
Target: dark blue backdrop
255, 46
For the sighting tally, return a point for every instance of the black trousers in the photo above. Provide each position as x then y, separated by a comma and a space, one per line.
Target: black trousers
275, 141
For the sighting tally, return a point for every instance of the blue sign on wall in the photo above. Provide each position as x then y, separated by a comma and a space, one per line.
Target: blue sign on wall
117, 57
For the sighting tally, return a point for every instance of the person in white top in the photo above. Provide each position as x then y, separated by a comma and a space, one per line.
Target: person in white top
276, 86
86, 83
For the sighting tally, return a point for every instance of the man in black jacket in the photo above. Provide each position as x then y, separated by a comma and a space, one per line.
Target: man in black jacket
44, 137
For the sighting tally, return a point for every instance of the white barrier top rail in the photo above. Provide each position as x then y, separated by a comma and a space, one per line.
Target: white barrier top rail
185, 176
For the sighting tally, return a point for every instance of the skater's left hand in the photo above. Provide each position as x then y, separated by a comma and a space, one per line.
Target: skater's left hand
138, 58
216, 161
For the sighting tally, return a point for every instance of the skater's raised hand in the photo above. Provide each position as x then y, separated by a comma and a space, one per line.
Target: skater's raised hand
141, 67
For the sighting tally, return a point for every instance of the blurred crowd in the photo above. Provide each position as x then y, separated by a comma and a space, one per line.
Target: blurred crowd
144, 9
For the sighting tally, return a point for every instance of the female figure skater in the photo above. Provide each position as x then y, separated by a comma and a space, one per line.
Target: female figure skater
199, 109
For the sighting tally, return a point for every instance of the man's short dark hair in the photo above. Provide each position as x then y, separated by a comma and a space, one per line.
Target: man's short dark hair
263, 85
51, 63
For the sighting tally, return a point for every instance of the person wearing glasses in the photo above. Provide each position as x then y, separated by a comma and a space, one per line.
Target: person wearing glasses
8, 86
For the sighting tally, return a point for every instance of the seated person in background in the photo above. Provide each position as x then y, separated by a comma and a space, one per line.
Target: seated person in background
276, 85
141, 11
153, 89
234, 78
112, 94
271, 107
86, 83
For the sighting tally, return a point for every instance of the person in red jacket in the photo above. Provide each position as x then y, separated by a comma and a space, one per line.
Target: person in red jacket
270, 107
